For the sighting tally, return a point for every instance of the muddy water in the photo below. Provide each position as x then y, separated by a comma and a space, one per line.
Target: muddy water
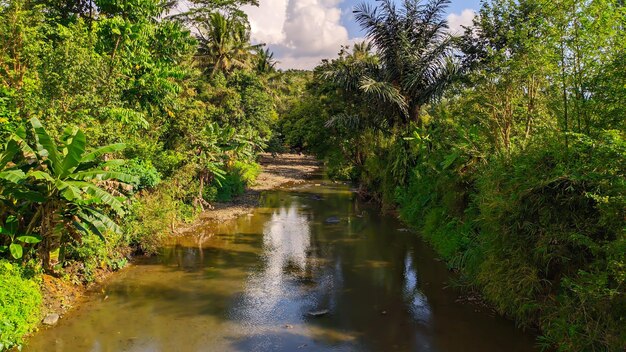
251, 285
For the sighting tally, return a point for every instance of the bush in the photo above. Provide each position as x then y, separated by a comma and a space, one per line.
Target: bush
92, 254
540, 232
553, 219
20, 304
153, 216
239, 175
147, 174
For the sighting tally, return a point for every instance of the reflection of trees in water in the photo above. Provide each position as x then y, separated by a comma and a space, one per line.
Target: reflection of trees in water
357, 269
372, 282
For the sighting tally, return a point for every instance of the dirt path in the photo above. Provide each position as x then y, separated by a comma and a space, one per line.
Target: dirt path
277, 171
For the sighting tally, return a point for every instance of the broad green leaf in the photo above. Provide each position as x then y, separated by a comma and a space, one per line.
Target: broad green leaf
112, 148
110, 224
69, 191
41, 175
112, 163
14, 176
3, 249
20, 138
101, 195
20, 194
102, 175
46, 146
75, 151
11, 225
93, 225
16, 250
29, 239
10, 149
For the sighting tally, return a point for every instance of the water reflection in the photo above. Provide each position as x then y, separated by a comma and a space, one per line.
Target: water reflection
416, 300
286, 240
250, 285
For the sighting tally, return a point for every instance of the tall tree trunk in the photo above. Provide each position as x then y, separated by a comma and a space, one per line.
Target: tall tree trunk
415, 115
565, 99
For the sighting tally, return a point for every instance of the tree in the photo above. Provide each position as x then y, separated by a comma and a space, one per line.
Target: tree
223, 44
265, 62
415, 55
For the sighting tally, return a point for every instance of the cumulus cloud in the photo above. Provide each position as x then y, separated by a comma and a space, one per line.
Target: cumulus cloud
303, 32
457, 21
300, 32
267, 21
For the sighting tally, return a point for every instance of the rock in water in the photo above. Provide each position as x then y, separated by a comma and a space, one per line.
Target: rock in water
318, 313
51, 319
333, 220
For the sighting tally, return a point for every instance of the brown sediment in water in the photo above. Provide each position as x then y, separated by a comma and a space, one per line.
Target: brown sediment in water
60, 295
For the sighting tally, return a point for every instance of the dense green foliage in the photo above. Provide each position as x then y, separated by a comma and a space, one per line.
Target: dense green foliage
17, 319
184, 116
503, 146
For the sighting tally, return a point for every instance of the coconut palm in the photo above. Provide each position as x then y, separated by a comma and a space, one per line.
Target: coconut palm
265, 62
224, 44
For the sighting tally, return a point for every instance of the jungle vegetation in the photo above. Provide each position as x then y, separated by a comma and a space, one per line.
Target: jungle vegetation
503, 146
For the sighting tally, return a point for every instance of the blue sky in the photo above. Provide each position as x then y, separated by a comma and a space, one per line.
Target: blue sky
303, 32
457, 6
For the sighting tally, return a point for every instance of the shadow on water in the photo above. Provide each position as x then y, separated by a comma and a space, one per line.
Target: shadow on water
314, 269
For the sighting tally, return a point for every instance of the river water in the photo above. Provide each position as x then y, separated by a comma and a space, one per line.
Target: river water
255, 284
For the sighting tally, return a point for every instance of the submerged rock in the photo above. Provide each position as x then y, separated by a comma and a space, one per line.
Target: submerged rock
319, 313
51, 319
332, 220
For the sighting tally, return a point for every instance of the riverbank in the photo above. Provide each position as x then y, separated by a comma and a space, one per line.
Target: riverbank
276, 171
60, 295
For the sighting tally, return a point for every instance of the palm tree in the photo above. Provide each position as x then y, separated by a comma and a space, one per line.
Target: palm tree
414, 56
224, 44
265, 62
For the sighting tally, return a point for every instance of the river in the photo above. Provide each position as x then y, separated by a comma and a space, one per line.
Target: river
312, 269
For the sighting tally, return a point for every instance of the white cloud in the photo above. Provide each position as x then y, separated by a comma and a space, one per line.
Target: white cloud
300, 32
457, 21
267, 21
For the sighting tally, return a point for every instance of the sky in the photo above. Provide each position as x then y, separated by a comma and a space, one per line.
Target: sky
303, 32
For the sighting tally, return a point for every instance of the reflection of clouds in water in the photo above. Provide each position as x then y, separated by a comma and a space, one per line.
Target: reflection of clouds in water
416, 300
286, 239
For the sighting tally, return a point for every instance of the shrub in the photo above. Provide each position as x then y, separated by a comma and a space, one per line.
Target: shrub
153, 216
239, 175
552, 218
20, 304
147, 175
92, 254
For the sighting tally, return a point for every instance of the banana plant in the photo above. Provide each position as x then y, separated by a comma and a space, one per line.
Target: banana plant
59, 190
17, 243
